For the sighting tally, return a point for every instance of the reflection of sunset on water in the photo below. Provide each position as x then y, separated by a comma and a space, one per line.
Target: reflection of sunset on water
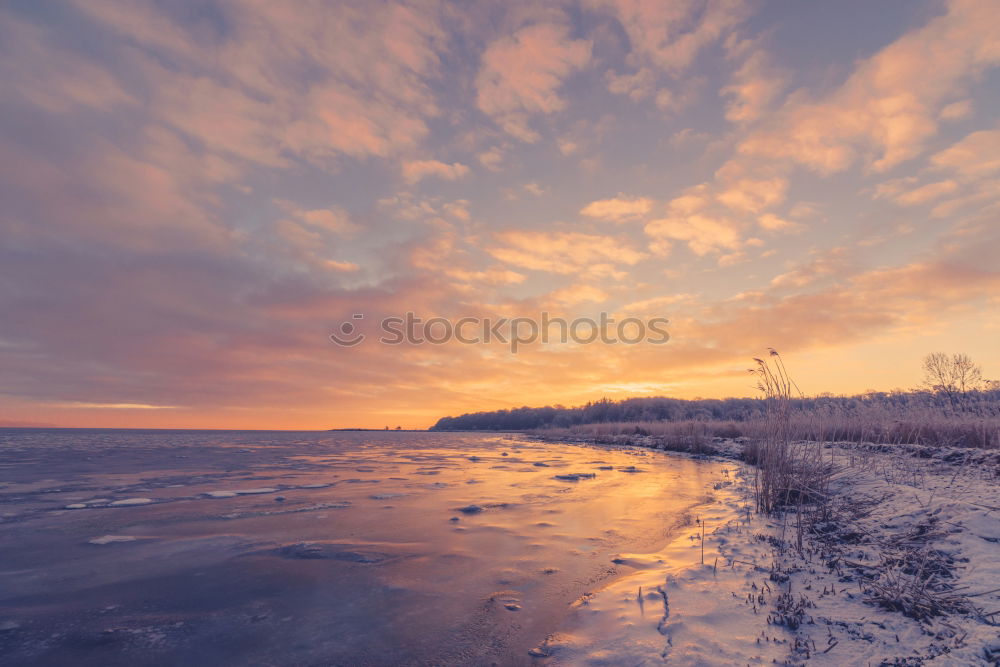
368, 544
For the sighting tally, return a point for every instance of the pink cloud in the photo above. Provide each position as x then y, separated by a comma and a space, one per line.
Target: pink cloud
887, 110
618, 209
417, 170
56, 81
670, 35
976, 155
521, 74
368, 95
755, 85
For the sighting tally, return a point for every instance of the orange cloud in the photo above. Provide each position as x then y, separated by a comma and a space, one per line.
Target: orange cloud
905, 193
754, 196
333, 219
835, 261
577, 294
561, 252
703, 234
346, 267
774, 223
618, 209
692, 220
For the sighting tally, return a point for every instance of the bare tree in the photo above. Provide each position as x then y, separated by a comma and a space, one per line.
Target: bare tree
953, 376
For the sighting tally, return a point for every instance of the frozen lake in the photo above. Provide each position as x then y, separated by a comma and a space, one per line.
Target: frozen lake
275, 548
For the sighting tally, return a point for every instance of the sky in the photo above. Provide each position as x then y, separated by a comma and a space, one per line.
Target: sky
195, 195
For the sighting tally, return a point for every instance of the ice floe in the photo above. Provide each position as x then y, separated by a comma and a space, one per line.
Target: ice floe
131, 501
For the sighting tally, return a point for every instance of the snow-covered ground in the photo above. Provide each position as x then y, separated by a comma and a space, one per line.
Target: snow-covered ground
901, 518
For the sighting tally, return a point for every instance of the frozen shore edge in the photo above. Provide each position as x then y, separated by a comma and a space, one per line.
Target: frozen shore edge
757, 600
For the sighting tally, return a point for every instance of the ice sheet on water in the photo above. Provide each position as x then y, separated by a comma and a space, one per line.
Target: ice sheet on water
131, 501
329, 557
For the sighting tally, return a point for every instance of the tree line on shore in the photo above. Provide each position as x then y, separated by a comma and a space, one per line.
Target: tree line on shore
953, 386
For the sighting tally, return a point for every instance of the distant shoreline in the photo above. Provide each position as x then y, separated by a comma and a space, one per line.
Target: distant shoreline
379, 430
241, 430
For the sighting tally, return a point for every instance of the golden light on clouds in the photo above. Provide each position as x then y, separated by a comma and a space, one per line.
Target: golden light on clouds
195, 199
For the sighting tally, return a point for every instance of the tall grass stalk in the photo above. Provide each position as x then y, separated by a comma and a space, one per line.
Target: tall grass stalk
774, 483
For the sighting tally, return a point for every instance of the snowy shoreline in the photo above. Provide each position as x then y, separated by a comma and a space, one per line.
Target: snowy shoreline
904, 523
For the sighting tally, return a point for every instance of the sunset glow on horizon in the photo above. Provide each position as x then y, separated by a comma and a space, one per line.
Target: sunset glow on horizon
196, 195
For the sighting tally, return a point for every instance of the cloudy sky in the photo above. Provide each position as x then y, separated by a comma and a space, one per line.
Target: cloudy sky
196, 194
